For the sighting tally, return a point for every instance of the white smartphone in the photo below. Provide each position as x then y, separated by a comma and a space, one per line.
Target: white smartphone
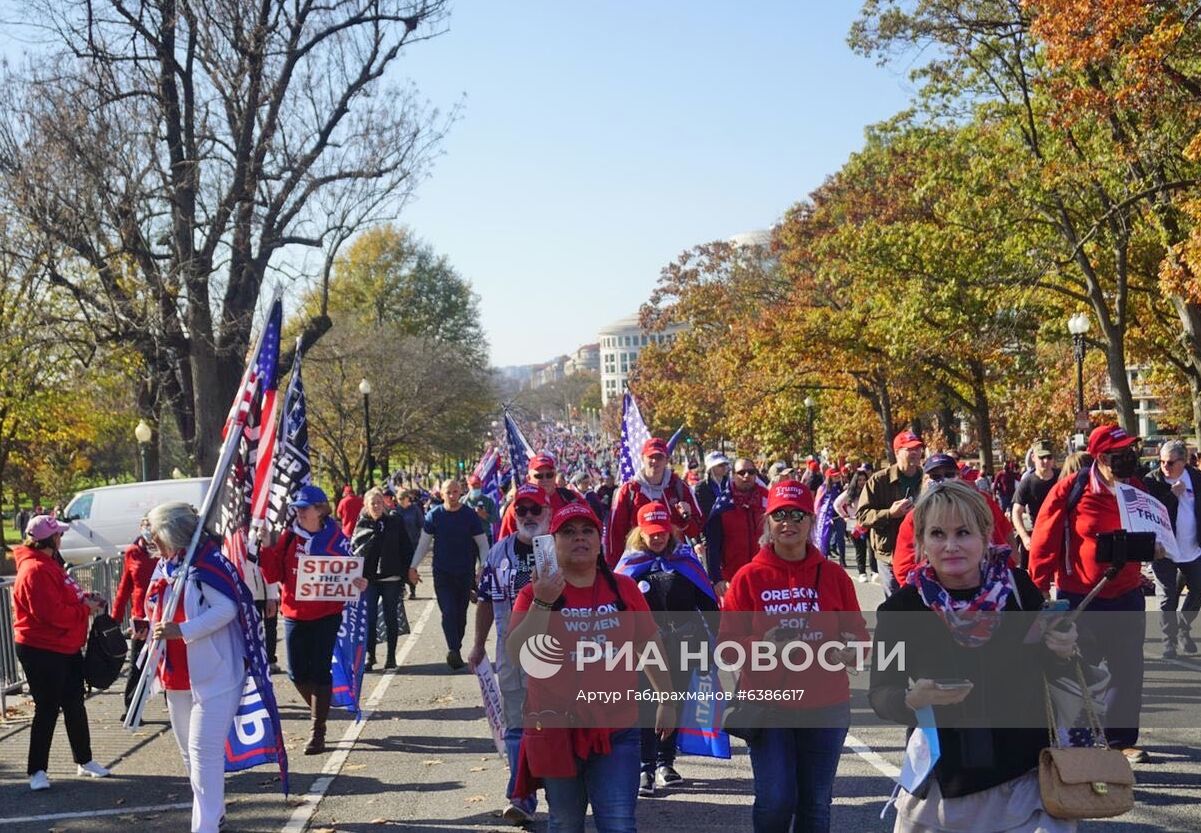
544, 555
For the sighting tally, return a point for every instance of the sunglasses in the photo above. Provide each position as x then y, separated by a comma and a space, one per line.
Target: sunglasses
548, 476
747, 472
794, 515
533, 510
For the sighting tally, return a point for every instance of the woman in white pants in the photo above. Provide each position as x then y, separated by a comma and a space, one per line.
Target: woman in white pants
203, 670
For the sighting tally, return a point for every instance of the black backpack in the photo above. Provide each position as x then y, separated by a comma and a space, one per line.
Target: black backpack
104, 656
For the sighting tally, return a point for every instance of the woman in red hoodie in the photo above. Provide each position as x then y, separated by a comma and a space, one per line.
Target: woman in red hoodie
310, 626
793, 596
50, 628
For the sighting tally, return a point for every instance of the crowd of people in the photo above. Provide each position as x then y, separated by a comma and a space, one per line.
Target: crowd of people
742, 545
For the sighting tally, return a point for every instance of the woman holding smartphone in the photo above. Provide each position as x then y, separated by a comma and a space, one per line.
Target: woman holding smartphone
972, 668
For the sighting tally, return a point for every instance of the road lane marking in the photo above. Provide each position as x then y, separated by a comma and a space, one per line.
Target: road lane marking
87, 814
872, 757
303, 814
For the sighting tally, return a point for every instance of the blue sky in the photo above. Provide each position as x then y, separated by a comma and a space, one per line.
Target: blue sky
599, 140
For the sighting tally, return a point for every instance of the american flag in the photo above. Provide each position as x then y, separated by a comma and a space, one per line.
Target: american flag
520, 450
488, 471
292, 468
244, 493
634, 434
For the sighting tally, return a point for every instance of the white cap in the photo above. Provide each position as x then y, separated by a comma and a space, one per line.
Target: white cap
715, 458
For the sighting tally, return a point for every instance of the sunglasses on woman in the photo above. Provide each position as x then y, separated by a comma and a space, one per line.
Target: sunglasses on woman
794, 515
550, 475
533, 510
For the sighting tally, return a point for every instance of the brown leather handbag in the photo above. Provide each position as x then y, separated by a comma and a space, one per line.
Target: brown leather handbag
1093, 782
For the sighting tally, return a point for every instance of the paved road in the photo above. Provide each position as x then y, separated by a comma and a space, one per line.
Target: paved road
424, 762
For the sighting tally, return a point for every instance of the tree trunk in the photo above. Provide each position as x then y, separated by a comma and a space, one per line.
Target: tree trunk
983, 418
1115, 361
1190, 319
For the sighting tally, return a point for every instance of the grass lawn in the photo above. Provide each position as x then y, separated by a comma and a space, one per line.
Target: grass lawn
10, 538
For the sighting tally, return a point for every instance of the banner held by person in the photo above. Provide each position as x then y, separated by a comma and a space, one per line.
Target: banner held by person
485, 674
1139, 512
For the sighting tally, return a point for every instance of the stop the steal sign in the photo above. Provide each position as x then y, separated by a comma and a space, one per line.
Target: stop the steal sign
327, 578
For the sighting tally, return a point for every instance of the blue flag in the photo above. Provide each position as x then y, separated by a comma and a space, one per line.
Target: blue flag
349, 653
520, 450
675, 440
634, 434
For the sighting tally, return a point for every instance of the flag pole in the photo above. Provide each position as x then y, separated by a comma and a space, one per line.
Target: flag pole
155, 647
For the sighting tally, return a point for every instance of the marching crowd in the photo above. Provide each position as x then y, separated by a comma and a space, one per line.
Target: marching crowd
722, 541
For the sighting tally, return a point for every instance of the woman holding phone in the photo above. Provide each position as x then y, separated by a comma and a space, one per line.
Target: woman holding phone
565, 744
971, 666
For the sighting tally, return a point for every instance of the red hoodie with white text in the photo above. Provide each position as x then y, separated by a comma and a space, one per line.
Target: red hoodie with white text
48, 607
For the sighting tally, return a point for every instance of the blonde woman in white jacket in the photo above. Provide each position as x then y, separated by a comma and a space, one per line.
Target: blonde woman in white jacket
203, 670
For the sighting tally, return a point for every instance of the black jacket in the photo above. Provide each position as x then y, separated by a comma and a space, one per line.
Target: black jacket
1158, 488
384, 544
1006, 706
706, 494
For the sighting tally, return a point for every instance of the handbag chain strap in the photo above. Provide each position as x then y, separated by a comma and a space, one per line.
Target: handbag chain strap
1094, 725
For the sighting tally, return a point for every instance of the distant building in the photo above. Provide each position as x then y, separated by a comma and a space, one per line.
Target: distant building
548, 372
585, 360
620, 344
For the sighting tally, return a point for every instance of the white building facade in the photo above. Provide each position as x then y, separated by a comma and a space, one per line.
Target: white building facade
620, 344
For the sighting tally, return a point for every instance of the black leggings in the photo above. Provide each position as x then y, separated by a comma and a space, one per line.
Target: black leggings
861, 555
310, 646
55, 684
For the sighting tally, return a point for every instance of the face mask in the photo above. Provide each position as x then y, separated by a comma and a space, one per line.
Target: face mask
146, 536
475, 493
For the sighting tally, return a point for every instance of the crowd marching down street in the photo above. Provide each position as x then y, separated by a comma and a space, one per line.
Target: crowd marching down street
570, 571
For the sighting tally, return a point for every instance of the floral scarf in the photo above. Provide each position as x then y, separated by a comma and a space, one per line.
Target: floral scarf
961, 617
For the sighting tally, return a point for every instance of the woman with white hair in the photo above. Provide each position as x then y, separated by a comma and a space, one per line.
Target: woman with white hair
203, 668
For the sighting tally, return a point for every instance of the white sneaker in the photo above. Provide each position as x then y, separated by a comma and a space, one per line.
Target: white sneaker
876, 577
863, 578
92, 769
39, 781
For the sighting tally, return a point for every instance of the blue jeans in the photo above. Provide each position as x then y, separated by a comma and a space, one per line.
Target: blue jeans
512, 747
838, 541
453, 591
888, 581
1119, 641
608, 782
794, 774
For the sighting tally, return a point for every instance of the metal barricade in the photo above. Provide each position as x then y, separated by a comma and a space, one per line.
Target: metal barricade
12, 677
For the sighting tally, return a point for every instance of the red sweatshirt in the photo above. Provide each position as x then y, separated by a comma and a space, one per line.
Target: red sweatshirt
49, 611
740, 529
348, 511
630, 498
787, 594
279, 564
135, 579
904, 557
1077, 570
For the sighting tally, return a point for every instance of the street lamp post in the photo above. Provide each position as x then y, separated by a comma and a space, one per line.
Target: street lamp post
143, 434
1078, 326
365, 389
809, 405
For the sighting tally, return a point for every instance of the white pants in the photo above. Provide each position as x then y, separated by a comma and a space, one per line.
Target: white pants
200, 730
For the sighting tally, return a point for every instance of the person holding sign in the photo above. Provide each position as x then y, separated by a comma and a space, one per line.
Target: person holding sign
312, 562
1063, 550
1178, 488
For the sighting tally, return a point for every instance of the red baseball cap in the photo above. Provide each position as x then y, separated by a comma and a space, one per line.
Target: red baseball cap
474, 481
654, 446
571, 512
654, 517
907, 439
528, 491
542, 461
789, 494
1107, 438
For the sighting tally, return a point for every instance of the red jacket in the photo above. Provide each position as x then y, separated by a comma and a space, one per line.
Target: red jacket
629, 499
348, 511
771, 592
279, 564
48, 607
904, 557
740, 530
135, 579
1077, 570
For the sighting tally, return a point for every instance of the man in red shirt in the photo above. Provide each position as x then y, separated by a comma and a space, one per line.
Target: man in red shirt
654, 481
1070, 561
542, 473
348, 511
136, 570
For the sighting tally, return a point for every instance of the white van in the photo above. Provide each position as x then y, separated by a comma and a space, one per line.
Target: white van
104, 521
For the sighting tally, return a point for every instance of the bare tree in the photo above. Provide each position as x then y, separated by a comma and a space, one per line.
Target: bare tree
173, 153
